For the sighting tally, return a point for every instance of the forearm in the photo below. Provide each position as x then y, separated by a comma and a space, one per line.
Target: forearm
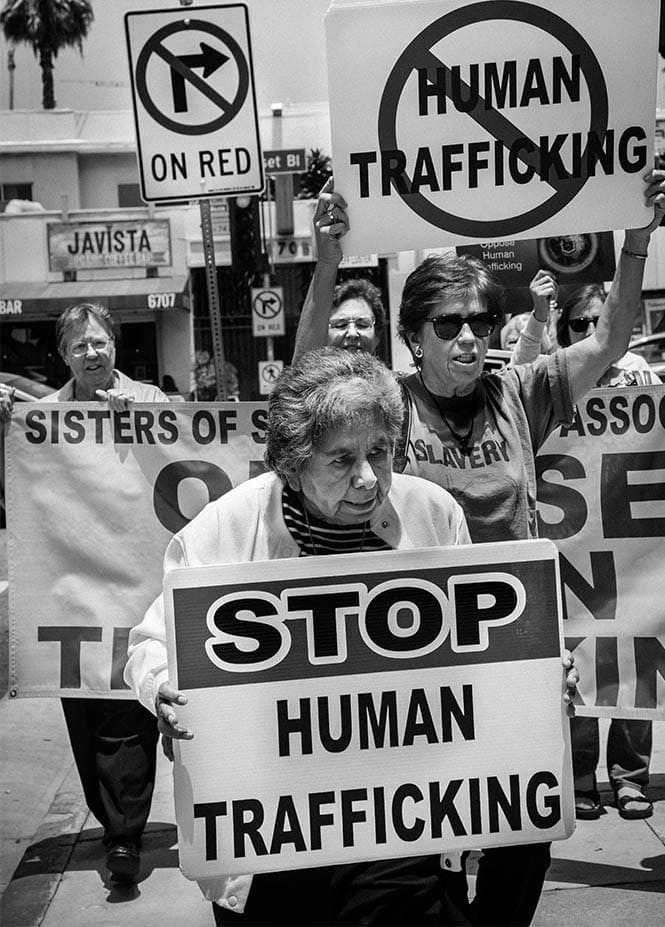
529, 342
313, 324
146, 666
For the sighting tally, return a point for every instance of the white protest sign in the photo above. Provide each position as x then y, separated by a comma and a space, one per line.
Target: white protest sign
477, 121
195, 110
361, 707
93, 497
601, 499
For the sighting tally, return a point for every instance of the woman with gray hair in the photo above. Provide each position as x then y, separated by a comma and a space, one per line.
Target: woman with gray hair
113, 740
333, 420
87, 344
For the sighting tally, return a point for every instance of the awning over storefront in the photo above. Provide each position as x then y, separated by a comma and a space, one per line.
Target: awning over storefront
47, 300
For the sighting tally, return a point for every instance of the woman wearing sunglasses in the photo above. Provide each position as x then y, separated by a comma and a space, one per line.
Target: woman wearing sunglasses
476, 433
579, 320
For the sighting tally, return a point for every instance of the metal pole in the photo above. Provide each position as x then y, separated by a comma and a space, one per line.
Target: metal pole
11, 67
213, 297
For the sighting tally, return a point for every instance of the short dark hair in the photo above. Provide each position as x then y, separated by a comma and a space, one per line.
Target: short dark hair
361, 288
325, 390
450, 277
580, 298
82, 313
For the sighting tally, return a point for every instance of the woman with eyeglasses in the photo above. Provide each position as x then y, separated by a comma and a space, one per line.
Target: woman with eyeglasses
113, 740
579, 319
86, 343
357, 318
350, 315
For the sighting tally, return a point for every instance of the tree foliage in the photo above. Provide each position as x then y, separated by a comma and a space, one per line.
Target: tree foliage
319, 169
47, 26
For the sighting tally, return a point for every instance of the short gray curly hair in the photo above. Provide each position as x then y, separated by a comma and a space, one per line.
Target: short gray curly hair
325, 390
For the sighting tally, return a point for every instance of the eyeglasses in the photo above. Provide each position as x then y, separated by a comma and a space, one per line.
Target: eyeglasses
363, 325
581, 324
80, 348
447, 327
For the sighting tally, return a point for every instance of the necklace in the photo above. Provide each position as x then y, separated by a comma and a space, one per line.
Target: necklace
311, 536
462, 440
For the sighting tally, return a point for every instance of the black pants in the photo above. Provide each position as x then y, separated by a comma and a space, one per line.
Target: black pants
114, 744
629, 745
391, 892
414, 891
509, 884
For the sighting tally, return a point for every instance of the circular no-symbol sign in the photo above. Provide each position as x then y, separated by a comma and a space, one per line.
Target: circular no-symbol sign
418, 54
267, 304
270, 372
155, 47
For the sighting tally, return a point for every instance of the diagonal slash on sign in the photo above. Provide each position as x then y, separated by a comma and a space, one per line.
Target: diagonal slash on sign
189, 75
418, 53
497, 124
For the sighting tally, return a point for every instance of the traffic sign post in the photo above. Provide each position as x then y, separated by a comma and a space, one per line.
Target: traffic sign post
195, 110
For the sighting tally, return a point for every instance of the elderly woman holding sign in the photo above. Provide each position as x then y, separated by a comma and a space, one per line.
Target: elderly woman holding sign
332, 423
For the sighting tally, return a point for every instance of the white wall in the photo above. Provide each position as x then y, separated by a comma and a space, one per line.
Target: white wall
99, 176
51, 174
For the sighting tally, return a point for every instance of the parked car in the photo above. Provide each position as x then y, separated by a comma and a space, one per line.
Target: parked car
652, 349
27, 389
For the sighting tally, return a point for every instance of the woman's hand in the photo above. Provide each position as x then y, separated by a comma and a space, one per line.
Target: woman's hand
118, 399
330, 224
572, 678
654, 196
543, 289
167, 720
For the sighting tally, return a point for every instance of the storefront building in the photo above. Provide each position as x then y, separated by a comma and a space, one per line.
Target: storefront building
125, 262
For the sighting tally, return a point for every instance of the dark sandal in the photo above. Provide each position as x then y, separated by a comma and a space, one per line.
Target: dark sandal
587, 805
632, 796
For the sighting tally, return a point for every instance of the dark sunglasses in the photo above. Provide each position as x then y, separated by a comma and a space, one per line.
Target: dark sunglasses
581, 324
447, 327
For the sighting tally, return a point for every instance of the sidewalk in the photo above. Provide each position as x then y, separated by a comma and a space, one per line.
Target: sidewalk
610, 872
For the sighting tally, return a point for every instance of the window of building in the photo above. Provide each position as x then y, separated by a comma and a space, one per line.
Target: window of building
14, 191
129, 195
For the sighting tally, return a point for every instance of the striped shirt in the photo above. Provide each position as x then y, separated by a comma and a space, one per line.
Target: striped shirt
316, 537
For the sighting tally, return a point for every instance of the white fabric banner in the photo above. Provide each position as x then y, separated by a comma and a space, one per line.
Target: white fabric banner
601, 498
93, 498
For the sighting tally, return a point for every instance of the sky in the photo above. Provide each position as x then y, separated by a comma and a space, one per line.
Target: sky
287, 44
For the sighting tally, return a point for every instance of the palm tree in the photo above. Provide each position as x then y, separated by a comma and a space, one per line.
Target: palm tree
48, 26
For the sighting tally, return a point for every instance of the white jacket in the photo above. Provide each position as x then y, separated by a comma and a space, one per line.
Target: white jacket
247, 524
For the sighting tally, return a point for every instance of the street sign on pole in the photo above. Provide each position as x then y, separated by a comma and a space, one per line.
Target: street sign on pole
269, 371
267, 311
285, 161
197, 128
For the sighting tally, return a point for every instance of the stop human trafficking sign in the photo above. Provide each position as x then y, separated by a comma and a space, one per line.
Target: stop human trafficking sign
489, 120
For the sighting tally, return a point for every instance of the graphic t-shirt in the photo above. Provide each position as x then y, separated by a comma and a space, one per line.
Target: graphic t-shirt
516, 409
